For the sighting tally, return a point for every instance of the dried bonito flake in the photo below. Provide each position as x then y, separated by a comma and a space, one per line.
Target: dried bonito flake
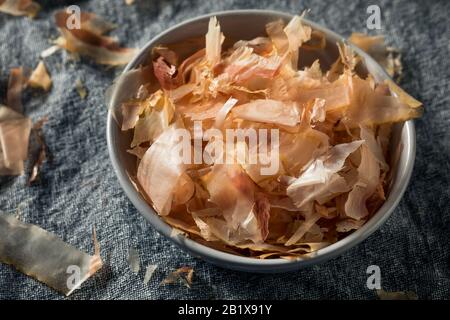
42, 151
81, 89
89, 39
14, 137
43, 256
183, 275
14, 127
328, 131
20, 7
320, 179
40, 78
388, 57
134, 260
151, 268
16, 83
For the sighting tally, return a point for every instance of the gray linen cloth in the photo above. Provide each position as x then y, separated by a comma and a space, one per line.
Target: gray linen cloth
78, 188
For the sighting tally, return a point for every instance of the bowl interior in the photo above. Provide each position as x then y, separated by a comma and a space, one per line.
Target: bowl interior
245, 25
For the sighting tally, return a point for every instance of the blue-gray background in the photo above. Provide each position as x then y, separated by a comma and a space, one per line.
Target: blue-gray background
78, 188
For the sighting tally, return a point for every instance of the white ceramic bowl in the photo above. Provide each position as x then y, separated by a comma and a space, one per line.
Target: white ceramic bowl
247, 24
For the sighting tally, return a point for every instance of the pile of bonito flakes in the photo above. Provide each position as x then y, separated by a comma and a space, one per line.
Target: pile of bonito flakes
329, 129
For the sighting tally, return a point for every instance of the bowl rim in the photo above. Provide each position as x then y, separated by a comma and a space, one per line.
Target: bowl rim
242, 263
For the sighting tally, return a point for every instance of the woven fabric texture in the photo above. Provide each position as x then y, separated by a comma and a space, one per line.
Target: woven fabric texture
78, 188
